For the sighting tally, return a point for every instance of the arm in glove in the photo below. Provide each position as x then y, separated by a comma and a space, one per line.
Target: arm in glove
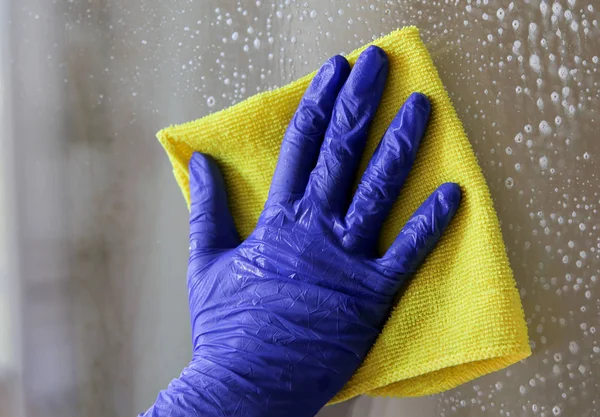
282, 320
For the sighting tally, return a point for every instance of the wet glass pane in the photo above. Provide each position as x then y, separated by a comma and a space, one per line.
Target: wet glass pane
97, 228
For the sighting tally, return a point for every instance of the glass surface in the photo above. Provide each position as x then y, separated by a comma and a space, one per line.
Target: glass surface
100, 239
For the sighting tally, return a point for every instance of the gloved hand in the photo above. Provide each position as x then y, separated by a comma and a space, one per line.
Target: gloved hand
282, 320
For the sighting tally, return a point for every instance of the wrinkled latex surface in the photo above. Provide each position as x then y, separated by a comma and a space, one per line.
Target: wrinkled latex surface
281, 321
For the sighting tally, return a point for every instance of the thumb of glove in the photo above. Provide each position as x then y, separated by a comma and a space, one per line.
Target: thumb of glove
212, 229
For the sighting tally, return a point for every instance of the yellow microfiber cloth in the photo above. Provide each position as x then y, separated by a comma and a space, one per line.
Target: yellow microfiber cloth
460, 316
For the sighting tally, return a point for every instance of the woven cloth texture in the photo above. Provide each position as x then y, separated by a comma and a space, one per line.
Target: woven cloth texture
460, 316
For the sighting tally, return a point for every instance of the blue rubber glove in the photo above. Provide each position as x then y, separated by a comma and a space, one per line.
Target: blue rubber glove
282, 320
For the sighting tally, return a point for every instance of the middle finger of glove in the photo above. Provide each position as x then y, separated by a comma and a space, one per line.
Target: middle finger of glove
331, 180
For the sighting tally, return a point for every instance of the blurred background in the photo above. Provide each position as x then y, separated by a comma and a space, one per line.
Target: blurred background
93, 229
